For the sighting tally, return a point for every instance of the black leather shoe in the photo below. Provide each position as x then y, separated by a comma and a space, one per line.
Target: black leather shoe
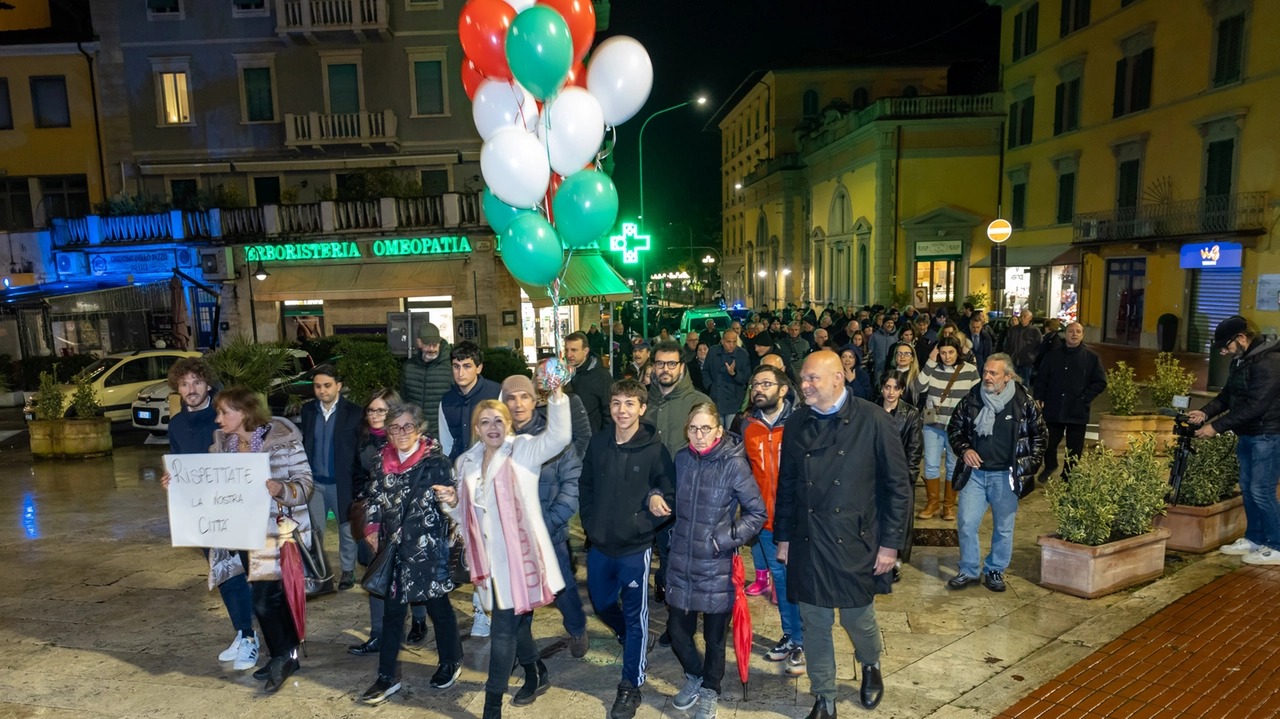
820, 710
281, 669
492, 705
264, 672
348, 581
417, 633
364, 650
627, 701
445, 676
664, 639
578, 645
536, 684
960, 581
994, 581
872, 687
381, 691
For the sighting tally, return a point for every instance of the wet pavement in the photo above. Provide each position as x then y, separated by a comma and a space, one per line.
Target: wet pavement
100, 617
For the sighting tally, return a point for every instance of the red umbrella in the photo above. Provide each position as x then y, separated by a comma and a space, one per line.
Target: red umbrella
742, 636
295, 589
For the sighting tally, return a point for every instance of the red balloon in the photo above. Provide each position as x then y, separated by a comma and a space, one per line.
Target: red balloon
577, 76
581, 17
482, 28
552, 188
471, 78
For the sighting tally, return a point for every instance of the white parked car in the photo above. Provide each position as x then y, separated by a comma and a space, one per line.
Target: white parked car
117, 378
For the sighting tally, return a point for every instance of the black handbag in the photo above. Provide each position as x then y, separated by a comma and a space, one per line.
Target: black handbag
377, 577
459, 572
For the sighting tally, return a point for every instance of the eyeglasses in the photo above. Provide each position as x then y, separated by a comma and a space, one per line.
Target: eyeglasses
764, 386
398, 429
700, 431
905, 353
376, 412
666, 365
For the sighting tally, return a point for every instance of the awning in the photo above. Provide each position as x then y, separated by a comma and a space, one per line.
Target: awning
589, 280
1036, 256
368, 281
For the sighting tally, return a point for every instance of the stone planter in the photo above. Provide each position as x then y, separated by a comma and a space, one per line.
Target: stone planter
70, 438
1115, 431
1089, 572
1200, 529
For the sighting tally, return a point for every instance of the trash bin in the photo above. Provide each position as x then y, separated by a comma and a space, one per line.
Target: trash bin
1167, 332
1219, 368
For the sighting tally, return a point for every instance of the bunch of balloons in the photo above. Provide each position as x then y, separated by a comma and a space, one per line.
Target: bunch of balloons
542, 115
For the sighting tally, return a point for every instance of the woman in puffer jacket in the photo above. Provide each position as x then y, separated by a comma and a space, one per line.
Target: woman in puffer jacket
713, 481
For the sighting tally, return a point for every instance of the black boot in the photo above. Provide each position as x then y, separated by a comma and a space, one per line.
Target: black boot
492, 705
281, 669
535, 684
417, 633
872, 686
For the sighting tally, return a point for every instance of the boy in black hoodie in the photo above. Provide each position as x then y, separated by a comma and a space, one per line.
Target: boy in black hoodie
626, 491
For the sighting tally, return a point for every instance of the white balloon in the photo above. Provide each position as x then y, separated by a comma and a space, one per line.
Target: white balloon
514, 165
577, 129
620, 77
499, 104
520, 5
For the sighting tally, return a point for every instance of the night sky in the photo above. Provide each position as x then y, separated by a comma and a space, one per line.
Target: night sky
710, 46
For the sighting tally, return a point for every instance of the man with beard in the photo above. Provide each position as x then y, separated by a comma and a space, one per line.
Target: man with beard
771, 406
427, 375
671, 397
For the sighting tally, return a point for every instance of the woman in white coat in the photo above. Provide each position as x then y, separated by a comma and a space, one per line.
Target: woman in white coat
513, 563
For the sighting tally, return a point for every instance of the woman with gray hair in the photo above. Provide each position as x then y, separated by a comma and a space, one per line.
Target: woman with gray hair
404, 509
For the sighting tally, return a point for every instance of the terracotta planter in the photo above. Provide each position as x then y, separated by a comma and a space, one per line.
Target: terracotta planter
1200, 529
1089, 572
1116, 431
70, 438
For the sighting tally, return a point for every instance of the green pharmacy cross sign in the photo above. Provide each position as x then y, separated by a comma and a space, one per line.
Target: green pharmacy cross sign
629, 243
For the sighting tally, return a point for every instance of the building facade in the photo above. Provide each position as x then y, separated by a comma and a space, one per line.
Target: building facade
1142, 137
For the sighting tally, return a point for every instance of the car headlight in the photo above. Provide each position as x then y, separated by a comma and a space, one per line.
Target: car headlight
143, 397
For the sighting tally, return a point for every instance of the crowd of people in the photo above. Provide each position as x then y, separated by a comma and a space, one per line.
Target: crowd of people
694, 448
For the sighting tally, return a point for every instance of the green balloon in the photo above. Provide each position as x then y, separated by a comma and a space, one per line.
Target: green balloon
540, 50
531, 250
585, 207
500, 214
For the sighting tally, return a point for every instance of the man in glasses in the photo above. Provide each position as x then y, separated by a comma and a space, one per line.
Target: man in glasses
331, 436
771, 406
671, 396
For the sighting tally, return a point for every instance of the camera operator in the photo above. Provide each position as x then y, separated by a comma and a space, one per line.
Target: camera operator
1251, 411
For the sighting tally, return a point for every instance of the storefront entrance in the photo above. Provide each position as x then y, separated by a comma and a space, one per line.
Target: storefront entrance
937, 279
1126, 287
1215, 296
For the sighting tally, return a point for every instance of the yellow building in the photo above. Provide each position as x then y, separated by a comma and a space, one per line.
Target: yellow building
1144, 134
871, 182
50, 157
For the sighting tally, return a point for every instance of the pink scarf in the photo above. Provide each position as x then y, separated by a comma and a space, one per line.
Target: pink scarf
525, 565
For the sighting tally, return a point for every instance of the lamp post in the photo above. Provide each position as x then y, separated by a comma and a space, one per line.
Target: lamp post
260, 273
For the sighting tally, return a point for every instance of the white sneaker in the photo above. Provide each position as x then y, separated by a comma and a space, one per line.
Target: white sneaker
1265, 555
247, 658
232, 651
1240, 547
480, 624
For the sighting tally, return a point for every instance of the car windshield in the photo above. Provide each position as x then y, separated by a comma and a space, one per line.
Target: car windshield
99, 368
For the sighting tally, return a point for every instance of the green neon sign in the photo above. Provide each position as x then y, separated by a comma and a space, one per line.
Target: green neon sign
400, 247
629, 243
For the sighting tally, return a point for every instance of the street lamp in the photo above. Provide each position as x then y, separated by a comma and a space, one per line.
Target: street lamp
708, 260
261, 274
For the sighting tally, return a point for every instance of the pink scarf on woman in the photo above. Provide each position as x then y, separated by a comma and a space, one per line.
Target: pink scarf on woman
525, 565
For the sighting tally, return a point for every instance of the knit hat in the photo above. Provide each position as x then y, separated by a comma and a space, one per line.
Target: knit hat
762, 339
518, 383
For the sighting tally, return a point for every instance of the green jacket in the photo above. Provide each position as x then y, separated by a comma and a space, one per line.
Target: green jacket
669, 412
424, 383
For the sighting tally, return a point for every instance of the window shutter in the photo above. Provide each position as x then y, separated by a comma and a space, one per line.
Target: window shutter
1028, 120
344, 89
1064, 20
257, 94
1032, 29
1059, 107
1018, 218
1230, 50
1142, 79
1066, 197
49, 101
1013, 125
1117, 107
1217, 175
1073, 105
6, 111
1128, 190
430, 87
1082, 14
1017, 36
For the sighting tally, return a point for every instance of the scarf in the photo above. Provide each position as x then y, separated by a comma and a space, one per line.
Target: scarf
376, 432
255, 439
991, 404
525, 573
391, 463
703, 453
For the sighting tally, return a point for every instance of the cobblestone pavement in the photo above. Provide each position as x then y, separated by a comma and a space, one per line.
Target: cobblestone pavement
100, 617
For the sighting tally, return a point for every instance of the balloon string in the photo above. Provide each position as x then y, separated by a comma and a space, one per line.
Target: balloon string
556, 285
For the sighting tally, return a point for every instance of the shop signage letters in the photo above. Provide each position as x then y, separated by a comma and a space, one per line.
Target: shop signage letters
939, 248
400, 247
132, 263
421, 246
1211, 255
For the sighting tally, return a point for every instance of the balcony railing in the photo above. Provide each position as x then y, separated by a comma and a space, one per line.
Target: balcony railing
386, 214
359, 128
307, 17
786, 161
1244, 213
903, 108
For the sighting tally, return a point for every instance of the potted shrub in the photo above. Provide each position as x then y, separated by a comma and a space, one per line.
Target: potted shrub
1209, 512
1170, 380
1105, 508
58, 437
256, 365
1123, 424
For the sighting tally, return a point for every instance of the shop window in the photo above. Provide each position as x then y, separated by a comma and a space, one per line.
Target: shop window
49, 101
810, 104
15, 204
1133, 83
428, 88
435, 182
266, 190
1021, 120
1075, 15
860, 98
1066, 197
1066, 109
6, 110
1018, 217
1229, 57
1026, 27
65, 197
249, 8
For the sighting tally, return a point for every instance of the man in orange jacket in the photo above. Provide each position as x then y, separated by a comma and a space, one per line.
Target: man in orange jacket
771, 404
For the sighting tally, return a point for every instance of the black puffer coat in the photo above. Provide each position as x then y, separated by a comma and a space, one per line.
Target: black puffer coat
422, 564
424, 384
1249, 398
1032, 437
709, 490
909, 429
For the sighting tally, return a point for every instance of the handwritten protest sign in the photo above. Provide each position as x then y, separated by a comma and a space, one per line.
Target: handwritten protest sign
218, 500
